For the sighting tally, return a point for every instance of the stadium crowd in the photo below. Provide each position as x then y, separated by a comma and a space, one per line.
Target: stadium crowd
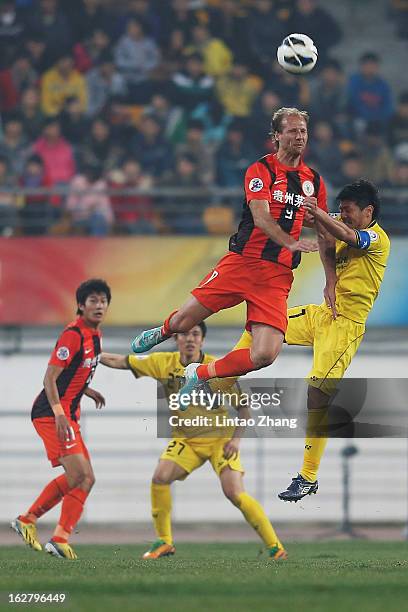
114, 115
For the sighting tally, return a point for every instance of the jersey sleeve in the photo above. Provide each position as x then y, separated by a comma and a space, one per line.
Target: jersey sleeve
68, 345
145, 366
368, 240
322, 196
257, 182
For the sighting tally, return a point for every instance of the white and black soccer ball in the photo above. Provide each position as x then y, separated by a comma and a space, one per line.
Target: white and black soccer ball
297, 54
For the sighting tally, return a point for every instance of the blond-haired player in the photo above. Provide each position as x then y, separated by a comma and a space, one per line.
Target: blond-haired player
355, 257
191, 448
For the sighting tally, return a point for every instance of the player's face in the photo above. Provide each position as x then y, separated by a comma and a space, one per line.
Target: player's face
353, 216
94, 309
190, 343
293, 137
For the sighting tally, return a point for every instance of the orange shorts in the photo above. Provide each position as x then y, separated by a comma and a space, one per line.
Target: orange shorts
45, 428
263, 285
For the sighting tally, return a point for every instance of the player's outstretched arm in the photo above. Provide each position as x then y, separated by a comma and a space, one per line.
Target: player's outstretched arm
264, 221
327, 252
335, 228
118, 362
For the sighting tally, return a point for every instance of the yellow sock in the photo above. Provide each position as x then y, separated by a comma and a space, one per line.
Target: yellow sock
255, 515
161, 511
314, 447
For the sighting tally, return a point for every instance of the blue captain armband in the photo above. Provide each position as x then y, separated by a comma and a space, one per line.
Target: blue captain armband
365, 238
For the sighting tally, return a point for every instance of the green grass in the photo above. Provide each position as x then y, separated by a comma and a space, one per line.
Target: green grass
337, 576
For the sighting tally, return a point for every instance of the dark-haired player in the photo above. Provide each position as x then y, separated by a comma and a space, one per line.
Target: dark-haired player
262, 254
192, 446
55, 415
357, 250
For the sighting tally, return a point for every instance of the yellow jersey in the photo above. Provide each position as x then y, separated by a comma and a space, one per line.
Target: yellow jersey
169, 371
360, 271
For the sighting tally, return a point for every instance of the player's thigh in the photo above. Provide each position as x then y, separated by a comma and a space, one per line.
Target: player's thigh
336, 343
181, 453
301, 325
218, 460
167, 471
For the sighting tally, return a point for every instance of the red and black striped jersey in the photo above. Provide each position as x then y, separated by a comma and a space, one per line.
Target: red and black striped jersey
284, 187
78, 351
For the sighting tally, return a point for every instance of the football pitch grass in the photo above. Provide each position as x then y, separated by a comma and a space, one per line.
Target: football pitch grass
335, 576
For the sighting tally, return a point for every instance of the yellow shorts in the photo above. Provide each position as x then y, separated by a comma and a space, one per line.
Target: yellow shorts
192, 453
335, 342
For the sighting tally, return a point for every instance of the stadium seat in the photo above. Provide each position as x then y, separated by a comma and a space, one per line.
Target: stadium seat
219, 219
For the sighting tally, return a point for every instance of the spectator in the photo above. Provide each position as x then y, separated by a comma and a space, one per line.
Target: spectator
395, 203
215, 122
169, 117
398, 126
173, 58
311, 18
195, 148
291, 89
351, 169
88, 17
231, 27
62, 82
23, 74
8, 92
217, 57
12, 29
36, 49
328, 100
56, 153
134, 212
30, 114
88, 205
378, 164
47, 21
179, 17
260, 121
99, 148
369, 95
104, 82
265, 30
324, 151
183, 211
74, 123
87, 53
149, 146
234, 156
237, 90
8, 200
136, 55
13, 145
399, 12
144, 12
192, 86
36, 215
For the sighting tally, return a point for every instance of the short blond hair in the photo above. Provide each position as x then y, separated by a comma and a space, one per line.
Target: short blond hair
281, 114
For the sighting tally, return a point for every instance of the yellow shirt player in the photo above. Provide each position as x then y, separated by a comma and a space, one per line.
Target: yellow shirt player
193, 446
354, 260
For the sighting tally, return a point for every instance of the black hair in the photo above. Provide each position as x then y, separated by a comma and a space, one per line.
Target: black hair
203, 328
332, 63
369, 57
35, 159
93, 285
363, 193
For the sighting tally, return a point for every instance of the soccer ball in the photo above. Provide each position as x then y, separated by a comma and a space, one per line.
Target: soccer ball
297, 54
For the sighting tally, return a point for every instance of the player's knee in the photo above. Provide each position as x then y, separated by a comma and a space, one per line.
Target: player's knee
231, 492
162, 479
263, 357
88, 482
75, 479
